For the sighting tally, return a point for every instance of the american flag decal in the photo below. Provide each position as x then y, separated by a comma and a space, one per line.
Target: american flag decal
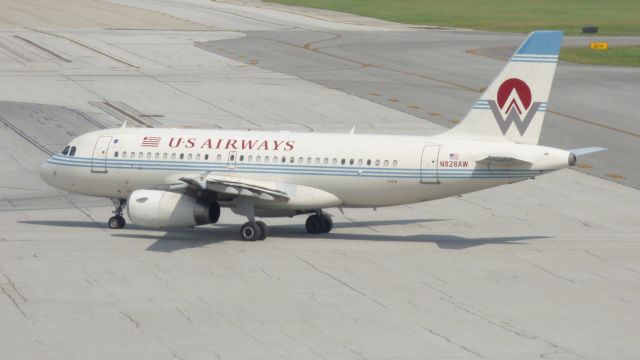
453, 156
151, 141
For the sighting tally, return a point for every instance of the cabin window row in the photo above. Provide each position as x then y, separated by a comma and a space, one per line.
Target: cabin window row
260, 159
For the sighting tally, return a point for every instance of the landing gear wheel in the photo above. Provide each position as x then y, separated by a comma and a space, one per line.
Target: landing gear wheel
328, 223
264, 229
116, 222
250, 231
315, 224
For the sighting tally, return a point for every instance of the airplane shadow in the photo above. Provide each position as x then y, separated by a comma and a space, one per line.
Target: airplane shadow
181, 239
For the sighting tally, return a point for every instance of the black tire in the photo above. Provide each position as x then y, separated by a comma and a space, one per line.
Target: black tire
121, 222
250, 231
328, 223
114, 222
214, 212
264, 229
315, 224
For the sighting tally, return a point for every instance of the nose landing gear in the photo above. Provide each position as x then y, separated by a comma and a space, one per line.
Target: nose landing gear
117, 221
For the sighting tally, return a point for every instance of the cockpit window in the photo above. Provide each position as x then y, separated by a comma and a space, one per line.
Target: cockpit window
72, 152
66, 150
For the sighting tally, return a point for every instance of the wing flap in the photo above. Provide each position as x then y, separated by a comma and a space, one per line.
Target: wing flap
264, 190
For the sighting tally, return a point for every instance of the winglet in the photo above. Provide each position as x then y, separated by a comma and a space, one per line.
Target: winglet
352, 131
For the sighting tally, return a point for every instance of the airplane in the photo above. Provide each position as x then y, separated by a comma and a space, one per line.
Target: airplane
167, 178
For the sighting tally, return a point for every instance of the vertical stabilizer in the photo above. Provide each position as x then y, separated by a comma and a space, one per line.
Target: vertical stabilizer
513, 106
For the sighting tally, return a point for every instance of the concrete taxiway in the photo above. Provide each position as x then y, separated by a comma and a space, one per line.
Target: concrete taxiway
543, 268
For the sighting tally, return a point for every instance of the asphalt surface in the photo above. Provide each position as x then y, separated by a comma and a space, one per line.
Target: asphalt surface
540, 269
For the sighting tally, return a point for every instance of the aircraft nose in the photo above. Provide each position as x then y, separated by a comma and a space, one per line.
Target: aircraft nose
47, 172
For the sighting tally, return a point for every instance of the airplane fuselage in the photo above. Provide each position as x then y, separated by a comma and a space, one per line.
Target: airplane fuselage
360, 170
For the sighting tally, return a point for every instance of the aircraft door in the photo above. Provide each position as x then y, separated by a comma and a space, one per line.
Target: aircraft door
233, 155
429, 165
99, 158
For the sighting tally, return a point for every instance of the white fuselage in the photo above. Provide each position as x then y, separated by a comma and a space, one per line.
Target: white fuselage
360, 170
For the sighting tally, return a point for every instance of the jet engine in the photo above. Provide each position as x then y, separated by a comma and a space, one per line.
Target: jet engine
162, 209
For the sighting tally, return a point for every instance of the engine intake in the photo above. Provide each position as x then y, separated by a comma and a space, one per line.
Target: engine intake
162, 209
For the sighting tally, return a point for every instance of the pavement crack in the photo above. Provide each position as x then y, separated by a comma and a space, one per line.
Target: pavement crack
13, 286
15, 303
343, 283
557, 276
130, 318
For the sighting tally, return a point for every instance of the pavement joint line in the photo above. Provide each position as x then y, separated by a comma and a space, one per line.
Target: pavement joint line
25, 136
86, 47
42, 48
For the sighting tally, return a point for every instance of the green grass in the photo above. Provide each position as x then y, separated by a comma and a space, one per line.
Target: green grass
617, 55
614, 17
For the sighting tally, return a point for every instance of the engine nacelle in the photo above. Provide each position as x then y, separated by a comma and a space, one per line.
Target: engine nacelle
161, 209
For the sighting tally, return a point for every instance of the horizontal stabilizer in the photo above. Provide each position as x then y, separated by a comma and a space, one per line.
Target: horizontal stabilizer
587, 150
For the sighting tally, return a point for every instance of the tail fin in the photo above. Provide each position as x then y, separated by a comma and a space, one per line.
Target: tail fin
512, 108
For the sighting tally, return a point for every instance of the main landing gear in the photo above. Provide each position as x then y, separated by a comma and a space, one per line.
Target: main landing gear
319, 223
117, 221
252, 231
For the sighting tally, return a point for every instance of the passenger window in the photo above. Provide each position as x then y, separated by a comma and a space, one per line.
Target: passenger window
300, 160
197, 156
72, 152
377, 162
368, 162
351, 162
189, 156
386, 163
334, 161
66, 150
232, 157
241, 157
258, 158
219, 157
275, 159
173, 156
317, 161
206, 156
164, 156
308, 160
140, 155
124, 154
181, 156
326, 161
157, 156
284, 159
133, 155
292, 159
359, 162
250, 158
148, 155
395, 163
115, 154
342, 162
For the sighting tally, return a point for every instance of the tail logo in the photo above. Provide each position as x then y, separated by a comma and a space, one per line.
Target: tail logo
513, 105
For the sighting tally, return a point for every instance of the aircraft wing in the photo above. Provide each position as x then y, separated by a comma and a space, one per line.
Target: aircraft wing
264, 190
